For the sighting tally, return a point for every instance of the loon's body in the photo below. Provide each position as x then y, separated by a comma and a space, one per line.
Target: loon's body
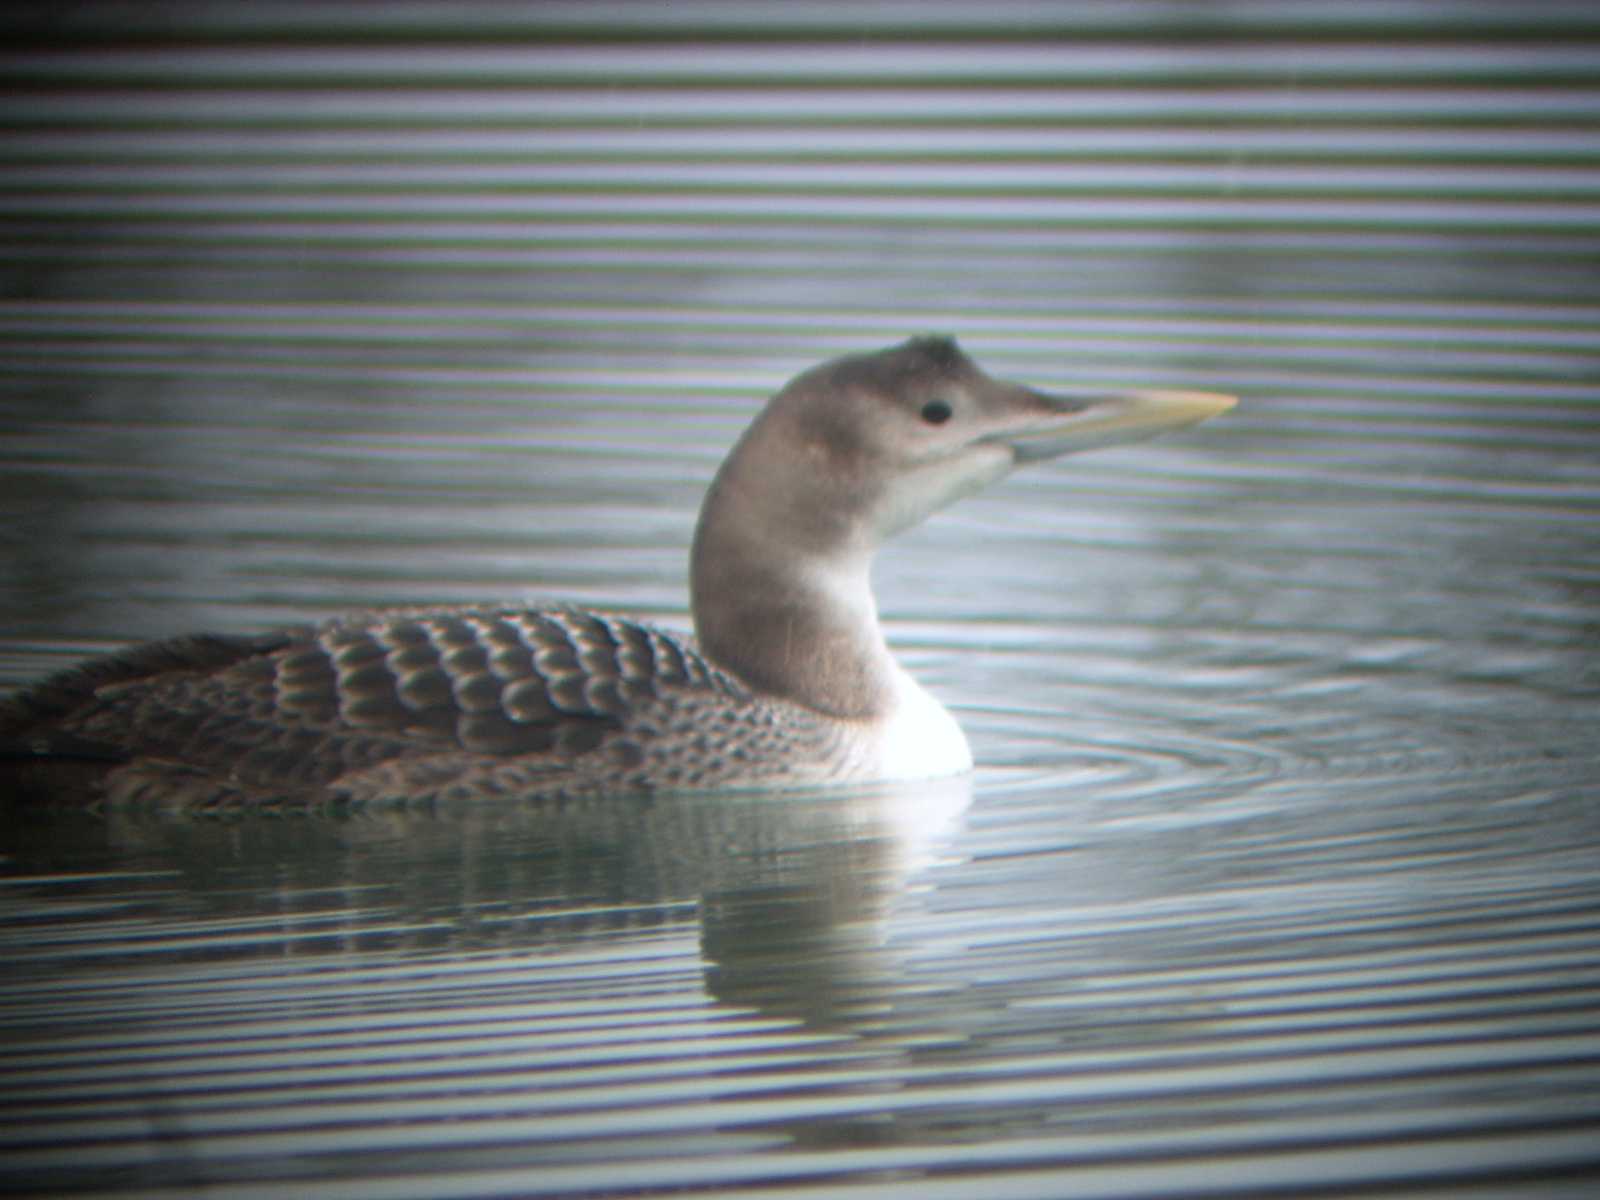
788, 682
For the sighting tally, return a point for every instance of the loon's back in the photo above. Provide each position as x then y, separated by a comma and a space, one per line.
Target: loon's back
452, 704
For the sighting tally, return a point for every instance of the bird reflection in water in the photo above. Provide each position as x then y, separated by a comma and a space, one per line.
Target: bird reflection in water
786, 895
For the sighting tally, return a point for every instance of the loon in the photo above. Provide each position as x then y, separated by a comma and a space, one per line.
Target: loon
788, 682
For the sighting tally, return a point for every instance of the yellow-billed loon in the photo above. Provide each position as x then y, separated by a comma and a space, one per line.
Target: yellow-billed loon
787, 683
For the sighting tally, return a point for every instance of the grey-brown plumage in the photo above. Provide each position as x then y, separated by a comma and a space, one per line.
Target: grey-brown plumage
428, 705
788, 683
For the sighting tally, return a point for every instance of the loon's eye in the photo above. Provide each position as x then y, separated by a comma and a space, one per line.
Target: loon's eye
936, 412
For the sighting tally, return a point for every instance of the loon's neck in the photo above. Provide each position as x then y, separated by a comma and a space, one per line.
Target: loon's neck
805, 631
782, 598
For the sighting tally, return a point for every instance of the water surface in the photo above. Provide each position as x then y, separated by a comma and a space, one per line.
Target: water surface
1280, 873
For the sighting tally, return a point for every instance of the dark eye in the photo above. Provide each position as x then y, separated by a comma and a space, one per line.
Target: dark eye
936, 412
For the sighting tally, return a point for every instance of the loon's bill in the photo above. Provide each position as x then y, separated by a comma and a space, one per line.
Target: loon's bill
1116, 419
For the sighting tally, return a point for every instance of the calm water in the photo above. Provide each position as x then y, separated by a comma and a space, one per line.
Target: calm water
1281, 870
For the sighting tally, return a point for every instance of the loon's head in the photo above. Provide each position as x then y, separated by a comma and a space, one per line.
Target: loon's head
860, 448
846, 455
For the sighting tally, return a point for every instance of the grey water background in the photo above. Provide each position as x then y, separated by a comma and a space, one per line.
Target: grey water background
1280, 873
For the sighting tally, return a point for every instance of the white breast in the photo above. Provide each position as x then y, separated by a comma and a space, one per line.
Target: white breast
920, 739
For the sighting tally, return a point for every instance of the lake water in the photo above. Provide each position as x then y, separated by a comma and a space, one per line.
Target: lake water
1280, 873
